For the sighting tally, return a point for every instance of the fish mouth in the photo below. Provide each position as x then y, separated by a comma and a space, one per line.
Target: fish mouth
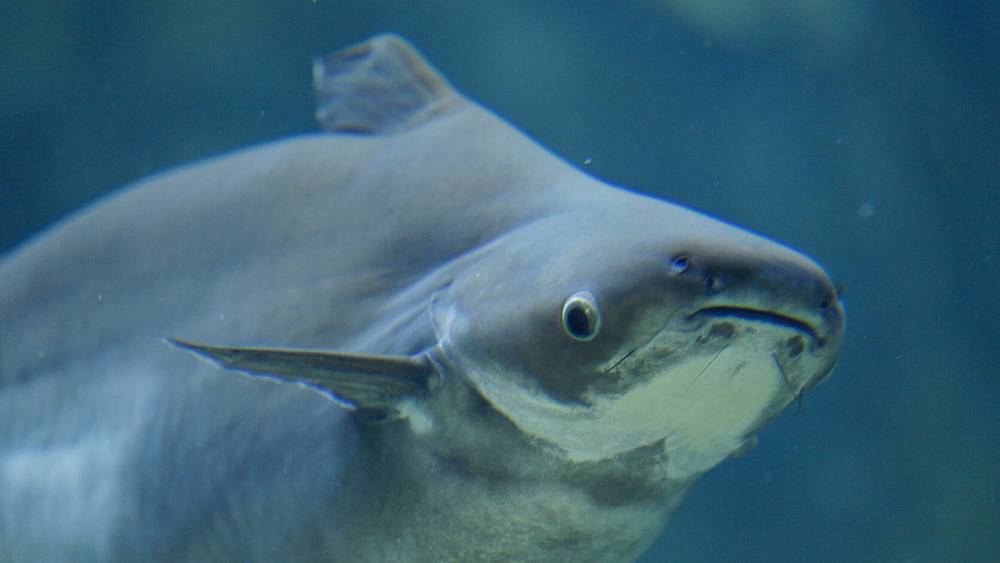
763, 316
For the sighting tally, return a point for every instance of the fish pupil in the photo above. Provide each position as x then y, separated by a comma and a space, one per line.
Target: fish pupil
578, 322
581, 317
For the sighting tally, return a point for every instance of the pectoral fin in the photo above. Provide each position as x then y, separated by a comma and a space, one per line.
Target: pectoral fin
369, 385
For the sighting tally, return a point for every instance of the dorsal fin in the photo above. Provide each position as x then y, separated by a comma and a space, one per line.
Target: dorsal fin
382, 85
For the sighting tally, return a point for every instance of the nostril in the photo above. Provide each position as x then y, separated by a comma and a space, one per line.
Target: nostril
713, 284
680, 264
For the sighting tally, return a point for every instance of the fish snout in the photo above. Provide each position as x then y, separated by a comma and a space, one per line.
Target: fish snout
782, 288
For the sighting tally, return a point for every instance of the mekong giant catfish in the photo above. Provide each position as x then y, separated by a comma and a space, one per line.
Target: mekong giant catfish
459, 348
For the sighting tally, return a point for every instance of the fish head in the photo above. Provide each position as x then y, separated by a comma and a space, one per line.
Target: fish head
636, 322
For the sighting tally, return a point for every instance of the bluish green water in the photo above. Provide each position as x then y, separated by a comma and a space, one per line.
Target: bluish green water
866, 134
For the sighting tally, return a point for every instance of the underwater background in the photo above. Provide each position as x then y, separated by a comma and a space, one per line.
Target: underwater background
865, 133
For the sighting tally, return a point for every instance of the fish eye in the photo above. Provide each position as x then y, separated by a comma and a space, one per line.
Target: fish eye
680, 264
581, 317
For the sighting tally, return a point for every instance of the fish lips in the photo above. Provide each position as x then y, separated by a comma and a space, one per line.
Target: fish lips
757, 315
824, 334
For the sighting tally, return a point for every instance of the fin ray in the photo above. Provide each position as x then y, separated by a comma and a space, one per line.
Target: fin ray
382, 85
367, 382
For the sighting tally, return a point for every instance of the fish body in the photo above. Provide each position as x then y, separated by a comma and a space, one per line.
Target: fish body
461, 348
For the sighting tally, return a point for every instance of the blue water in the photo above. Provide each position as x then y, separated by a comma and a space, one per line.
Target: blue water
866, 134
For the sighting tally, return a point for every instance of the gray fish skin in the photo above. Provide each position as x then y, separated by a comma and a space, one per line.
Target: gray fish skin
433, 231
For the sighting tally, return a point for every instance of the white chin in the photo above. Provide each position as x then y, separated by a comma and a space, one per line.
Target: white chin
703, 406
